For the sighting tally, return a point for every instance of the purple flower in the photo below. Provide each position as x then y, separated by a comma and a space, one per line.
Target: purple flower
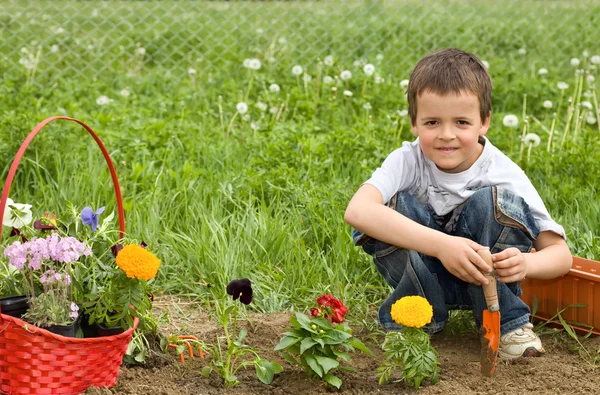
90, 217
242, 289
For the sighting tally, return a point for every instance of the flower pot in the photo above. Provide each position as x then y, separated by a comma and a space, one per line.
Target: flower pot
63, 330
108, 331
15, 306
98, 330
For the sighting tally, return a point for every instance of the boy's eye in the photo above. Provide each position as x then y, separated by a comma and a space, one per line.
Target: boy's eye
431, 123
462, 122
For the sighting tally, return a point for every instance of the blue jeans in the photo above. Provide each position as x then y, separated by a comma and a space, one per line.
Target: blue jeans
493, 217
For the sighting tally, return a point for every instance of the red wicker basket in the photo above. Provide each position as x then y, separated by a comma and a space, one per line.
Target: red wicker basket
35, 361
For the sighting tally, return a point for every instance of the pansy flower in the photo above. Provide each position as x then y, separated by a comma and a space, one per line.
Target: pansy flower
242, 289
90, 217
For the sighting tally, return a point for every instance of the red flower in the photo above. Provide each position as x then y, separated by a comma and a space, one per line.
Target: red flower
334, 309
314, 312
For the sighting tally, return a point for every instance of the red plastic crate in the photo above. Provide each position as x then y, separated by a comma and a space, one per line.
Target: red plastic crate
580, 286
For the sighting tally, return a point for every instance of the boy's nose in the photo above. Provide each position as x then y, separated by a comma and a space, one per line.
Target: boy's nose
446, 133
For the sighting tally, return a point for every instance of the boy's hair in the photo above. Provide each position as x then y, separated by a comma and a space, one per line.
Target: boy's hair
450, 70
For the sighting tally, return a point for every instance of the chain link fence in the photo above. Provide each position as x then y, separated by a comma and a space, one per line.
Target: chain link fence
46, 40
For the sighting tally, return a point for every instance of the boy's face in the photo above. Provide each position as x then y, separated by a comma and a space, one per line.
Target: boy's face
448, 128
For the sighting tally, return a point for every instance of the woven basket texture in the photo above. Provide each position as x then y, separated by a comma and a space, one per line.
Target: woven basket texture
37, 362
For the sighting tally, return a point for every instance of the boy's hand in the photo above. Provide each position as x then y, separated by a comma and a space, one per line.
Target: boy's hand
459, 256
510, 265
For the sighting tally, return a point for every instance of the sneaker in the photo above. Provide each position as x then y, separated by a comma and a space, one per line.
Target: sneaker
522, 342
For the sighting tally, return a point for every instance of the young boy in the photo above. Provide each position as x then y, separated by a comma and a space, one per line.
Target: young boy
450, 193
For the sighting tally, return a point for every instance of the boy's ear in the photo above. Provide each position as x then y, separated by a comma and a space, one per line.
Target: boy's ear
414, 130
485, 125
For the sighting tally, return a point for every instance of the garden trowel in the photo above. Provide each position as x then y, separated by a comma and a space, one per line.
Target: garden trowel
490, 336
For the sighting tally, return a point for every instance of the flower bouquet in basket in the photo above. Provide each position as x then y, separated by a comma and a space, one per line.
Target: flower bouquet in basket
75, 268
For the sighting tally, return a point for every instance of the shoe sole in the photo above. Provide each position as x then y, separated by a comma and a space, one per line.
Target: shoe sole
529, 352
532, 352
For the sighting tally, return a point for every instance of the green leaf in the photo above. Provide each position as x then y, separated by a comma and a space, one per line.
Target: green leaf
314, 365
206, 370
306, 343
277, 368
264, 371
286, 342
242, 335
344, 355
333, 380
327, 363
360, 346
288, 358
305, 322
336, 337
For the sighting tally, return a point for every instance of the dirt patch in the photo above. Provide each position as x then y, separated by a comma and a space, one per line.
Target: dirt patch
560, 371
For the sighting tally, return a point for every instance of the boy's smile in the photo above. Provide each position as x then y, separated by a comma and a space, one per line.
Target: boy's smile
449, 127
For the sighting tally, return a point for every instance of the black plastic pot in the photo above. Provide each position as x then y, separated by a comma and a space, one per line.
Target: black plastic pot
108, 331
98, 330
64, 330
15, 306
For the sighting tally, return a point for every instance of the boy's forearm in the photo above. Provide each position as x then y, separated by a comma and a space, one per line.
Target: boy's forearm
389, 226
551, 262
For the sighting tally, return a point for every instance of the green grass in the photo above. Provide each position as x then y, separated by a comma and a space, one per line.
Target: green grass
217, 199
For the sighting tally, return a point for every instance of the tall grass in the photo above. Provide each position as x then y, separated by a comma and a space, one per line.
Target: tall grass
265, 199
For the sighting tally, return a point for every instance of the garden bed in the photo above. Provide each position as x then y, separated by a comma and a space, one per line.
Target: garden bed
562, 370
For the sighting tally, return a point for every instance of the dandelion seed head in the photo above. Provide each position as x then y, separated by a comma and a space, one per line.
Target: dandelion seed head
522, 51
124, 92
486, 64
510, 121
586, 104
328, 60
590, 119
261, 106
271, 59
102, 100
192, 72
575, 62
367, 106
241, 107
356, 63
369, 69
595, 59
140, 51
59, 30
404, 84
282, 40
54, 48
254, 64
273, 110
346, 75
274, 88
562, 85
246, 63
347, 93
547, 104
402, 113
297, 70
246, 117
307, 77
379, 57
531, 139
327, 80
543, 71
590, 78
378, 79
585, 53
587, 94
260, 31
334, 89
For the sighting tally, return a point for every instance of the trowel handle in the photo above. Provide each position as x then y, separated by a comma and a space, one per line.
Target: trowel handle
489, 290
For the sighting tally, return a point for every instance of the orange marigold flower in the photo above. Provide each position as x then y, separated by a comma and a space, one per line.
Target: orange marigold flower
137, 262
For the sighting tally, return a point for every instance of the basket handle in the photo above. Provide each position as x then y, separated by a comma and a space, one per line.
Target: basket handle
21, 151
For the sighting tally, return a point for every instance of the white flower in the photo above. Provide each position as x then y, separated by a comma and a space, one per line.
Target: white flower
261, 106
102, 100
356, 63
379, 57
585, 53
246, 63
369, 69
590, 78
192, 72
591, 119
346, 75
378, 79
587, 94
271, 59
90, 47
254, 64
543, 71
59, 30
254, 126
522, 51
241, 107
328, 60
273, 110
531, 139
17, 215
246, 117
486, 64
124, 92
327, 80
510, 121
54, 48
402, 113
367, 106
141, 51
347, 93
595, 59
575, 62
24, 50
274, 88
562, 85
586, 104
547, 104
334, 89
282, 40
404, 84
307, 77
27, 63
95, 13
297, 70
259, 31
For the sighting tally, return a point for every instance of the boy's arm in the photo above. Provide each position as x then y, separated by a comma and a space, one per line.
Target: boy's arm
367, 213
551, 259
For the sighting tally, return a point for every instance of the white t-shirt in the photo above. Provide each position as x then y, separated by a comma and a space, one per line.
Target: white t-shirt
407, 169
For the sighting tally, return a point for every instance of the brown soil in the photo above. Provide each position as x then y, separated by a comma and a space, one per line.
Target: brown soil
560, 371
